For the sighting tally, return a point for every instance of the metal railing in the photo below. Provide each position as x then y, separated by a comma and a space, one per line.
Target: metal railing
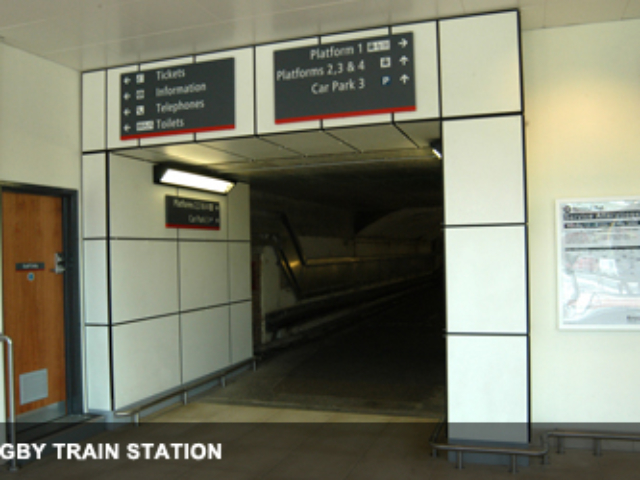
542, 451
597, 438
134, 412
11, 421
512, 452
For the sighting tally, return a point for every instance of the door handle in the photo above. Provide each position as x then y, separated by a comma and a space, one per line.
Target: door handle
58, 261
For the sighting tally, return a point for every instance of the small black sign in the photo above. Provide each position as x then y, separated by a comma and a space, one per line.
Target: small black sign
198, 97
29, 266
191, 213
365, 76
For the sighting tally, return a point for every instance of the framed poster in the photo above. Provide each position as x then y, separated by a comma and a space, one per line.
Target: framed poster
599, 263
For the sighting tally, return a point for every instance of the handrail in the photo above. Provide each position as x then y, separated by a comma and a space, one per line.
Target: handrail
531, 452
511, 451
597, 437
134, 412
13, 463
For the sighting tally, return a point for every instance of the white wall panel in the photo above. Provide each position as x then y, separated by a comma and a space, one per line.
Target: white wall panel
362, 119
114, 96
196, 234
425, 69
244, 93
94, 110
137, 204
203, 274
144, 279
486, 279
487, 386
239, 204
239, 271
174, 62
94, 195
265, 88
205, 342
146, 359
241, 332
96, 301
480, 64
40, 141
483, 171
98, 376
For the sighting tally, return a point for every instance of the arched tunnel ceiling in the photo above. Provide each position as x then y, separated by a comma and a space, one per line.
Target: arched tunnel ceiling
380, 168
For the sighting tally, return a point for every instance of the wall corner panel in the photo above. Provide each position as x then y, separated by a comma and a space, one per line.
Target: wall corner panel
94, 115
239, 207
94, 195
480, 64
241, 332
484, 180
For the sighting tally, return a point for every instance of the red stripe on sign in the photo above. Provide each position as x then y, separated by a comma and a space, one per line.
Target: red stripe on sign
192, 227
177, 132
330, 116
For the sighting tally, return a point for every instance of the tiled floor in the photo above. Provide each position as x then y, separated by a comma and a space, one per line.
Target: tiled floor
275, 443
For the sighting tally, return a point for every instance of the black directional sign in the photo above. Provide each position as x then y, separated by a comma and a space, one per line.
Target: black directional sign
198, 97
191, 213
358, 77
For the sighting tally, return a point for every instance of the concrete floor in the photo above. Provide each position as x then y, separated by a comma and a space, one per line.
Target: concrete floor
392, 362
289, 444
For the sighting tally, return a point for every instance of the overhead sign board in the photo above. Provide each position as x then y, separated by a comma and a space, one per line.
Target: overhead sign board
191, 98
191, 213
335, 80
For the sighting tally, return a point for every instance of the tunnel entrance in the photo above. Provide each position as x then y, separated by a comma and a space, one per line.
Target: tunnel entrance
347, 266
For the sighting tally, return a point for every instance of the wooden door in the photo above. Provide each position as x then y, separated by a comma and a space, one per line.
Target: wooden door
34, 297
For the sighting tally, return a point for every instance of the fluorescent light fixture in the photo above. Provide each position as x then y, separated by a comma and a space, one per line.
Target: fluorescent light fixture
198, 181
436, 148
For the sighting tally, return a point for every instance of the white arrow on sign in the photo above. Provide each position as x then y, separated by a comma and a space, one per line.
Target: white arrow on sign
127, 96
403, 43
127, 112
127, 128
403, 60
404, 79
127, 80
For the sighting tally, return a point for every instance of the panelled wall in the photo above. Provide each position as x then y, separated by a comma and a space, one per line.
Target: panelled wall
468, 78
163, 306
485, 228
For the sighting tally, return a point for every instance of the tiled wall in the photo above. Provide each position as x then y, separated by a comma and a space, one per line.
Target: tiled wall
485, 229
163, 306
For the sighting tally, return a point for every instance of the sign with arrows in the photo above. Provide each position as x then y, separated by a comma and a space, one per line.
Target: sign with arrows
197, 97
365, 76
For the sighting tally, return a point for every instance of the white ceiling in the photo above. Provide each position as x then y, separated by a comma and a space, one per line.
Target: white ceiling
90, 34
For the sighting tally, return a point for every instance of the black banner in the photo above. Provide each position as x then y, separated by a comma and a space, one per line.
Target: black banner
358, 77
191, 213
191, 98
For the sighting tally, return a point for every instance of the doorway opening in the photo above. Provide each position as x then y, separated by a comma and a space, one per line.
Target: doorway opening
347, 259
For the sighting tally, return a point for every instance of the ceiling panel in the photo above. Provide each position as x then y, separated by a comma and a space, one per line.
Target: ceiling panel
375, 137
311, 143
196, 154
422, 133
88, 34
633, 9
571, 12
28, 11
253, 148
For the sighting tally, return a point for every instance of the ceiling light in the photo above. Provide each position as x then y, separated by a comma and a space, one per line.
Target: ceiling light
436, 148
181, 178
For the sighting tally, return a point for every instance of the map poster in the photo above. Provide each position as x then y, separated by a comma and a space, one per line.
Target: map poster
599, 263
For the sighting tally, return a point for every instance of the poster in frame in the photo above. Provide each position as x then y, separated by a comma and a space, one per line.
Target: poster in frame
598, 263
